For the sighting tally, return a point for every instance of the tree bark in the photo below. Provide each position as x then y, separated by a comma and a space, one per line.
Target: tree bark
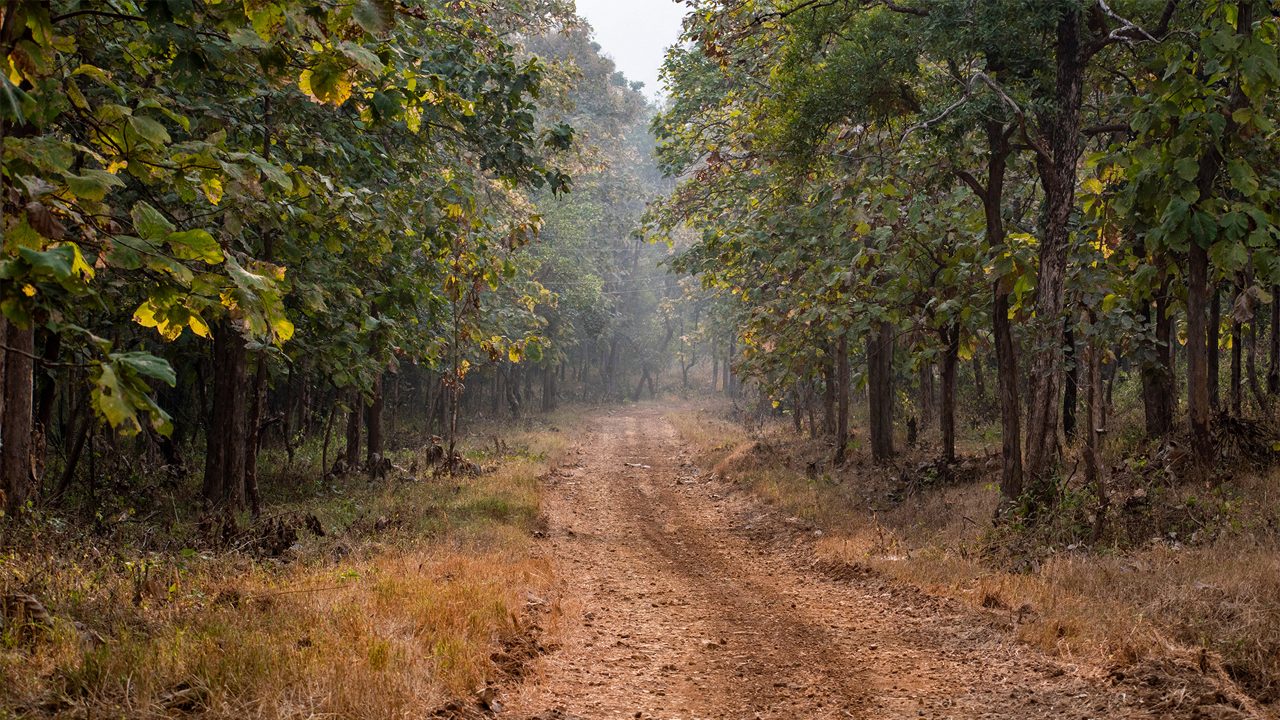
829, 386
992, 196
1273, 370
927, 396
1057, 168
1198, 407
880, 390
1071, 388
548, 388
1237, 360
842, 397
1215, 349
227, 435
373, 425
18, 482
1095, 433
1158, 394
1251, 363
947, 420
351, 453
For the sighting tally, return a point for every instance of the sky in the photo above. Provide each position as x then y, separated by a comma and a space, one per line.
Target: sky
636, 34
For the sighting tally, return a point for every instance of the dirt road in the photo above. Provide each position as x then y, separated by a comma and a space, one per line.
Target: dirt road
681, 600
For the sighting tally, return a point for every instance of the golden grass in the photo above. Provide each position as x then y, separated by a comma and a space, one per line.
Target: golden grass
397, 610
1217, 601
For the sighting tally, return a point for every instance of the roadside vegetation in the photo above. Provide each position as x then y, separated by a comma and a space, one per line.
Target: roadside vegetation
1186, 582
353, 597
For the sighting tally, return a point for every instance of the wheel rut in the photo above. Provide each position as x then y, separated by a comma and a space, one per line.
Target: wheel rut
671, 606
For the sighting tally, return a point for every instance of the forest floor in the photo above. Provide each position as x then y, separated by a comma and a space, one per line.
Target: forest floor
679, 596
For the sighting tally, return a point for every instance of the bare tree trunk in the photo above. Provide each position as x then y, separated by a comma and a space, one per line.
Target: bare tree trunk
227, 435
1237, 361
548, 388
1071, 388
927, 396
1273, 370
1251, 365
1158, 392
254, 444
1058, 169
1095, 433
842, 397
947, 421
18, 482
829, 386
1215, 348
880, 390
328, 430
352, 451
1198, 353
373, 424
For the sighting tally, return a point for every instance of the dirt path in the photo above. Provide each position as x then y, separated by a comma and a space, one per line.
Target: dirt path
674, 606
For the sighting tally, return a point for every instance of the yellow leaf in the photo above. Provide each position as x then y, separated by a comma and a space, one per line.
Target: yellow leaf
198, 325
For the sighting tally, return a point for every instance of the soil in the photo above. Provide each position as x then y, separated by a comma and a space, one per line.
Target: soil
680, 598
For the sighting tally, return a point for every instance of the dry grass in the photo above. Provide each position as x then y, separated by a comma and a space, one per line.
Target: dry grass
1214, 600
396, 610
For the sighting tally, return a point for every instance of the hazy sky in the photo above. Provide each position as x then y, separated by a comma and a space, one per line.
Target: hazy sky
635, 33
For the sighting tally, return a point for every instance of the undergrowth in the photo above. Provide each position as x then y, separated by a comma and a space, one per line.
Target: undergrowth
1183, 570
370, 599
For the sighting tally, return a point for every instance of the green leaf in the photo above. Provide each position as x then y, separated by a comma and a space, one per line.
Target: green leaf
149, 130
1243, 177
375, 16
147, 365
92, 185
1229, 255
57, 262
149, 223
273, 172
195, 245
1188, 168
362, 57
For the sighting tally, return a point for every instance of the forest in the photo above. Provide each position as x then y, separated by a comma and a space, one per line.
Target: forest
374, 358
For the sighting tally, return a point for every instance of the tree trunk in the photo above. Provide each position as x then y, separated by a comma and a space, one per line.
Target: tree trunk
829, 386
227, 435
48, 383
256, 420
1237, 361
927, 393
1006, 350
548, 388
1251, 363
373, 424
1071, 387
1215, 349
842, 397
880, 390
351, 453
18, 482
947, 421
1095, 433
1158, 394
1198, 407
1273, 370
727, 369
1060, 125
